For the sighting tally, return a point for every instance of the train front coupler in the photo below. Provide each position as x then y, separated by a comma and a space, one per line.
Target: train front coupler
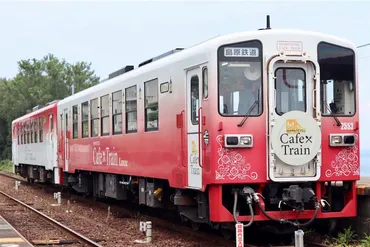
295, 197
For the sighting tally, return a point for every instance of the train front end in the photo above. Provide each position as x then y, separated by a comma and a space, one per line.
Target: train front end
285, 147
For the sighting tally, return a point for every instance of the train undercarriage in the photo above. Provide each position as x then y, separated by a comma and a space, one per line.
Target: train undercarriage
260, 203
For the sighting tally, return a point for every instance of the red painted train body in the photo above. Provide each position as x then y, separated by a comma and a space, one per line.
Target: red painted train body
238, 128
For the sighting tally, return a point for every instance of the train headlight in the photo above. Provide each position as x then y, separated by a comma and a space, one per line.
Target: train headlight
335, 140
340, 140
246, 140
238, 141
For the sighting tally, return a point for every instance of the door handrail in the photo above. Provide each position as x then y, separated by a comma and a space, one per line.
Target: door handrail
199, 136
182, 139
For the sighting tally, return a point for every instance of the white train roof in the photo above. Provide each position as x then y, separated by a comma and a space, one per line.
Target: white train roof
31, 114
204, 47
207, 46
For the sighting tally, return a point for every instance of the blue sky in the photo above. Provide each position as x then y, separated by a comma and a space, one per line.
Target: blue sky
112, 34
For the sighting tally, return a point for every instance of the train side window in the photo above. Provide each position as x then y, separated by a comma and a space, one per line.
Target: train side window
205, 82
75, 121
85, 119
117, 112
94, 117
32, 130
131, 109
28, 132
36, 126
104, 103
151, 105
41, 122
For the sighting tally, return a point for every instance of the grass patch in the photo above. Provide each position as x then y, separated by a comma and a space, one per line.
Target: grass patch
348, 238
6, 166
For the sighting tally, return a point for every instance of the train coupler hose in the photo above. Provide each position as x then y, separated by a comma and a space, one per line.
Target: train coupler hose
284, 221
251, 196
249, 199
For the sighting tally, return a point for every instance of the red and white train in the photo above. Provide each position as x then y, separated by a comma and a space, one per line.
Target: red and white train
248, 127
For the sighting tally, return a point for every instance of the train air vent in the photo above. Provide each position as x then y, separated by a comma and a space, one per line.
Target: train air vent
35, 108
52, 102
161, 56
121, 71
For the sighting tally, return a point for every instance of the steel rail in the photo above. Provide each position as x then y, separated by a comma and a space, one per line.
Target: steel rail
13, 176
64, 228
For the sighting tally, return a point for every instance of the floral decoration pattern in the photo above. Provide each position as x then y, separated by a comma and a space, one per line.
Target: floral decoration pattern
346, 163
231, 164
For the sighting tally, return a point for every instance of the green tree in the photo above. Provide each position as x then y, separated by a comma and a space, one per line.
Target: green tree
38, 82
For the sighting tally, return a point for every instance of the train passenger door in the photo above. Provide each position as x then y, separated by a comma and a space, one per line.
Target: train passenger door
294, 121
193, 122
65, 138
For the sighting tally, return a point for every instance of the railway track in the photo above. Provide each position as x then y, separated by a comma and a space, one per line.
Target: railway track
125, 212
214, 240
79, 237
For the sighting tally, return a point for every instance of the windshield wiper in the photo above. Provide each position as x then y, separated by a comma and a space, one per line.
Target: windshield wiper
332, 114
248, 113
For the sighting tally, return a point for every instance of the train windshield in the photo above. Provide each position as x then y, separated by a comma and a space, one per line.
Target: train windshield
337, 75
240, 79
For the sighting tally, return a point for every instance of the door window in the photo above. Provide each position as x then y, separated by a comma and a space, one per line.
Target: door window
194, 101
66, 121
290, 85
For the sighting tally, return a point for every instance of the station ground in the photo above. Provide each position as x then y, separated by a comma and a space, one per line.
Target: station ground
10, 237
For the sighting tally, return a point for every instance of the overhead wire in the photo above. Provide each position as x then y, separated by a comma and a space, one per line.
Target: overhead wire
363, 45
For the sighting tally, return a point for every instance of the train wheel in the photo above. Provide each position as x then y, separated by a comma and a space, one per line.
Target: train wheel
184, 220
332, 225
226, 233
215, 226
195, 226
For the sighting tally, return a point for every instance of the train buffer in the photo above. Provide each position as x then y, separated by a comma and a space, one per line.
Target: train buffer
10, 237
